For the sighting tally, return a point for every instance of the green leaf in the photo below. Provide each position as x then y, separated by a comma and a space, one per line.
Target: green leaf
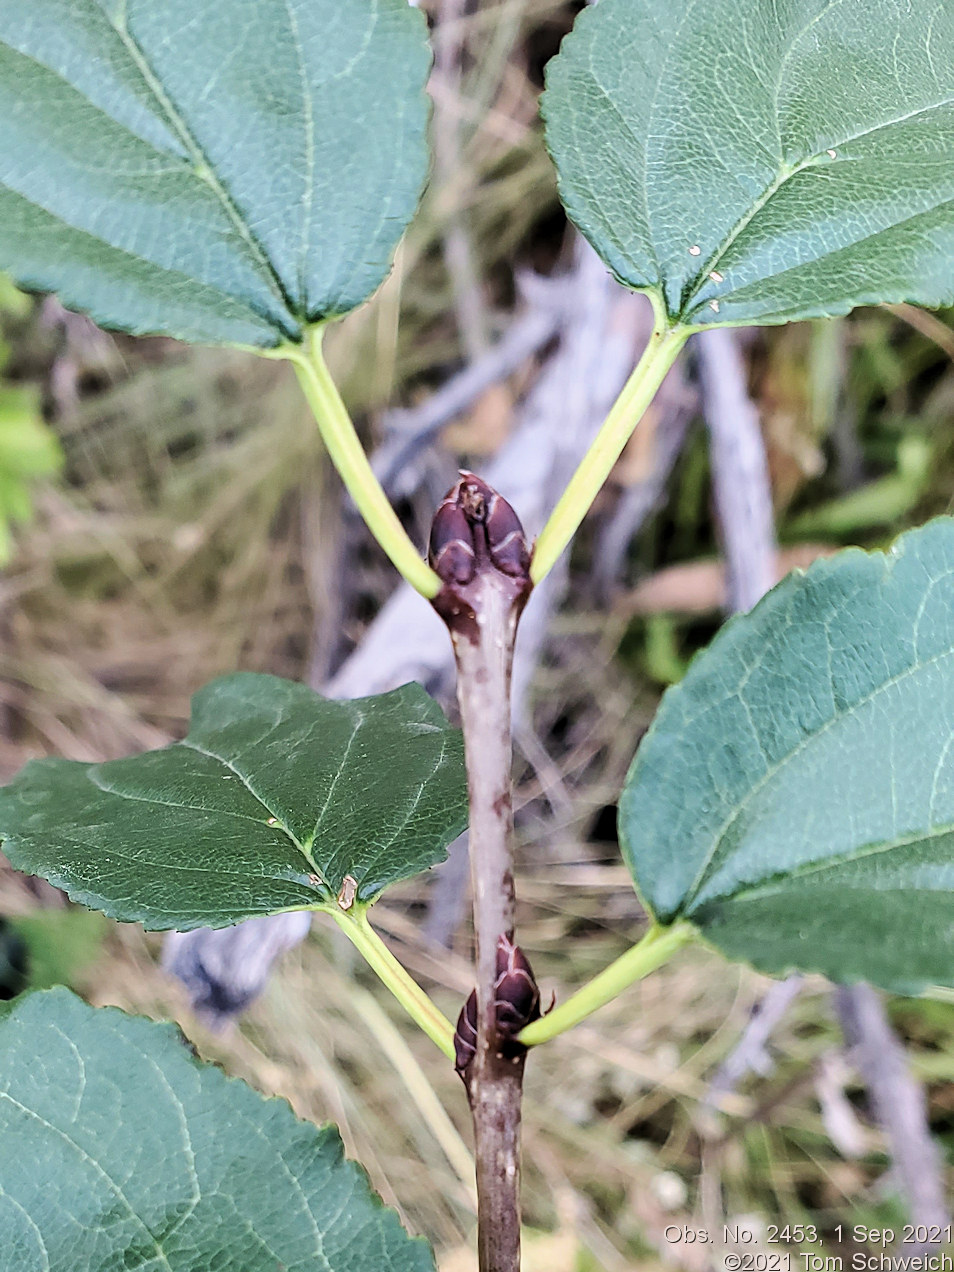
694, 147
121, 1151
220, 172
28, 450
61, 944
794, 798
882, 502
28, 446
274, 796
13, 303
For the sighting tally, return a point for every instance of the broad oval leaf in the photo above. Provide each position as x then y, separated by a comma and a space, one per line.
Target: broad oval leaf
761, 162
794, 798
121, 1151
270, 801
220, 172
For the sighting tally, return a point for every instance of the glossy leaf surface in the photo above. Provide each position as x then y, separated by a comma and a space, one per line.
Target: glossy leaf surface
794, 797
218, 172
274, 796
761, 162
121, 1151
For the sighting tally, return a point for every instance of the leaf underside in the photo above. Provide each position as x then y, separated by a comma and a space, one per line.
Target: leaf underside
756, 162
222, 172
794, 797
120, 1151
271, 800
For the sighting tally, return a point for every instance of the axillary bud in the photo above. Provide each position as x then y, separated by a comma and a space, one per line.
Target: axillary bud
516, 1004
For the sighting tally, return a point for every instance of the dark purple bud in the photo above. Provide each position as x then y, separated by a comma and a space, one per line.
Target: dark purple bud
516, 994
452, 547
476, 530
505, 538
516, 1003
465, 1036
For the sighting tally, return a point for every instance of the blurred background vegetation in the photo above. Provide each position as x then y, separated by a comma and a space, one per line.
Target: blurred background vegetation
166, 514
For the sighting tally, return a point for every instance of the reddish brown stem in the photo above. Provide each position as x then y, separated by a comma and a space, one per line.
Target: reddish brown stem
478, 549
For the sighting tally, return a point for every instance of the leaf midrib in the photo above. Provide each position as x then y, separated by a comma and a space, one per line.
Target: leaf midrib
180, 127
782, 880
779, 181
305, 852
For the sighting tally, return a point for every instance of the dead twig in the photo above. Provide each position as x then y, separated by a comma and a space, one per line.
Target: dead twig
743, 495
700, 587
407, 431
224, 969
898, 1104
750, 1054
452, 177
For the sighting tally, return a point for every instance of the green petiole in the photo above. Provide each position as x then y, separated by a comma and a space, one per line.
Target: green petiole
657, 947
597, 463
356, 927
348, 456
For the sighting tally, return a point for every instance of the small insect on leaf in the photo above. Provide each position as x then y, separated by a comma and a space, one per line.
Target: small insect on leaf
348, 892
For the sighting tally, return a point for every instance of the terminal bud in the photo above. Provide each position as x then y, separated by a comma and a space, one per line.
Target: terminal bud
477, 545
476, 529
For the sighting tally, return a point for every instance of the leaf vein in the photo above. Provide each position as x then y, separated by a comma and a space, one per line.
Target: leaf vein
168, 803
782, 881
308, 113
194, 746
97, 1168
412, 808
337, 777
775, 769
28, 1217
179, 126
782, 177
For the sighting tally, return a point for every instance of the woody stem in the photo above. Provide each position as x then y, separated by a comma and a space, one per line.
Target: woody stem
484, 653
